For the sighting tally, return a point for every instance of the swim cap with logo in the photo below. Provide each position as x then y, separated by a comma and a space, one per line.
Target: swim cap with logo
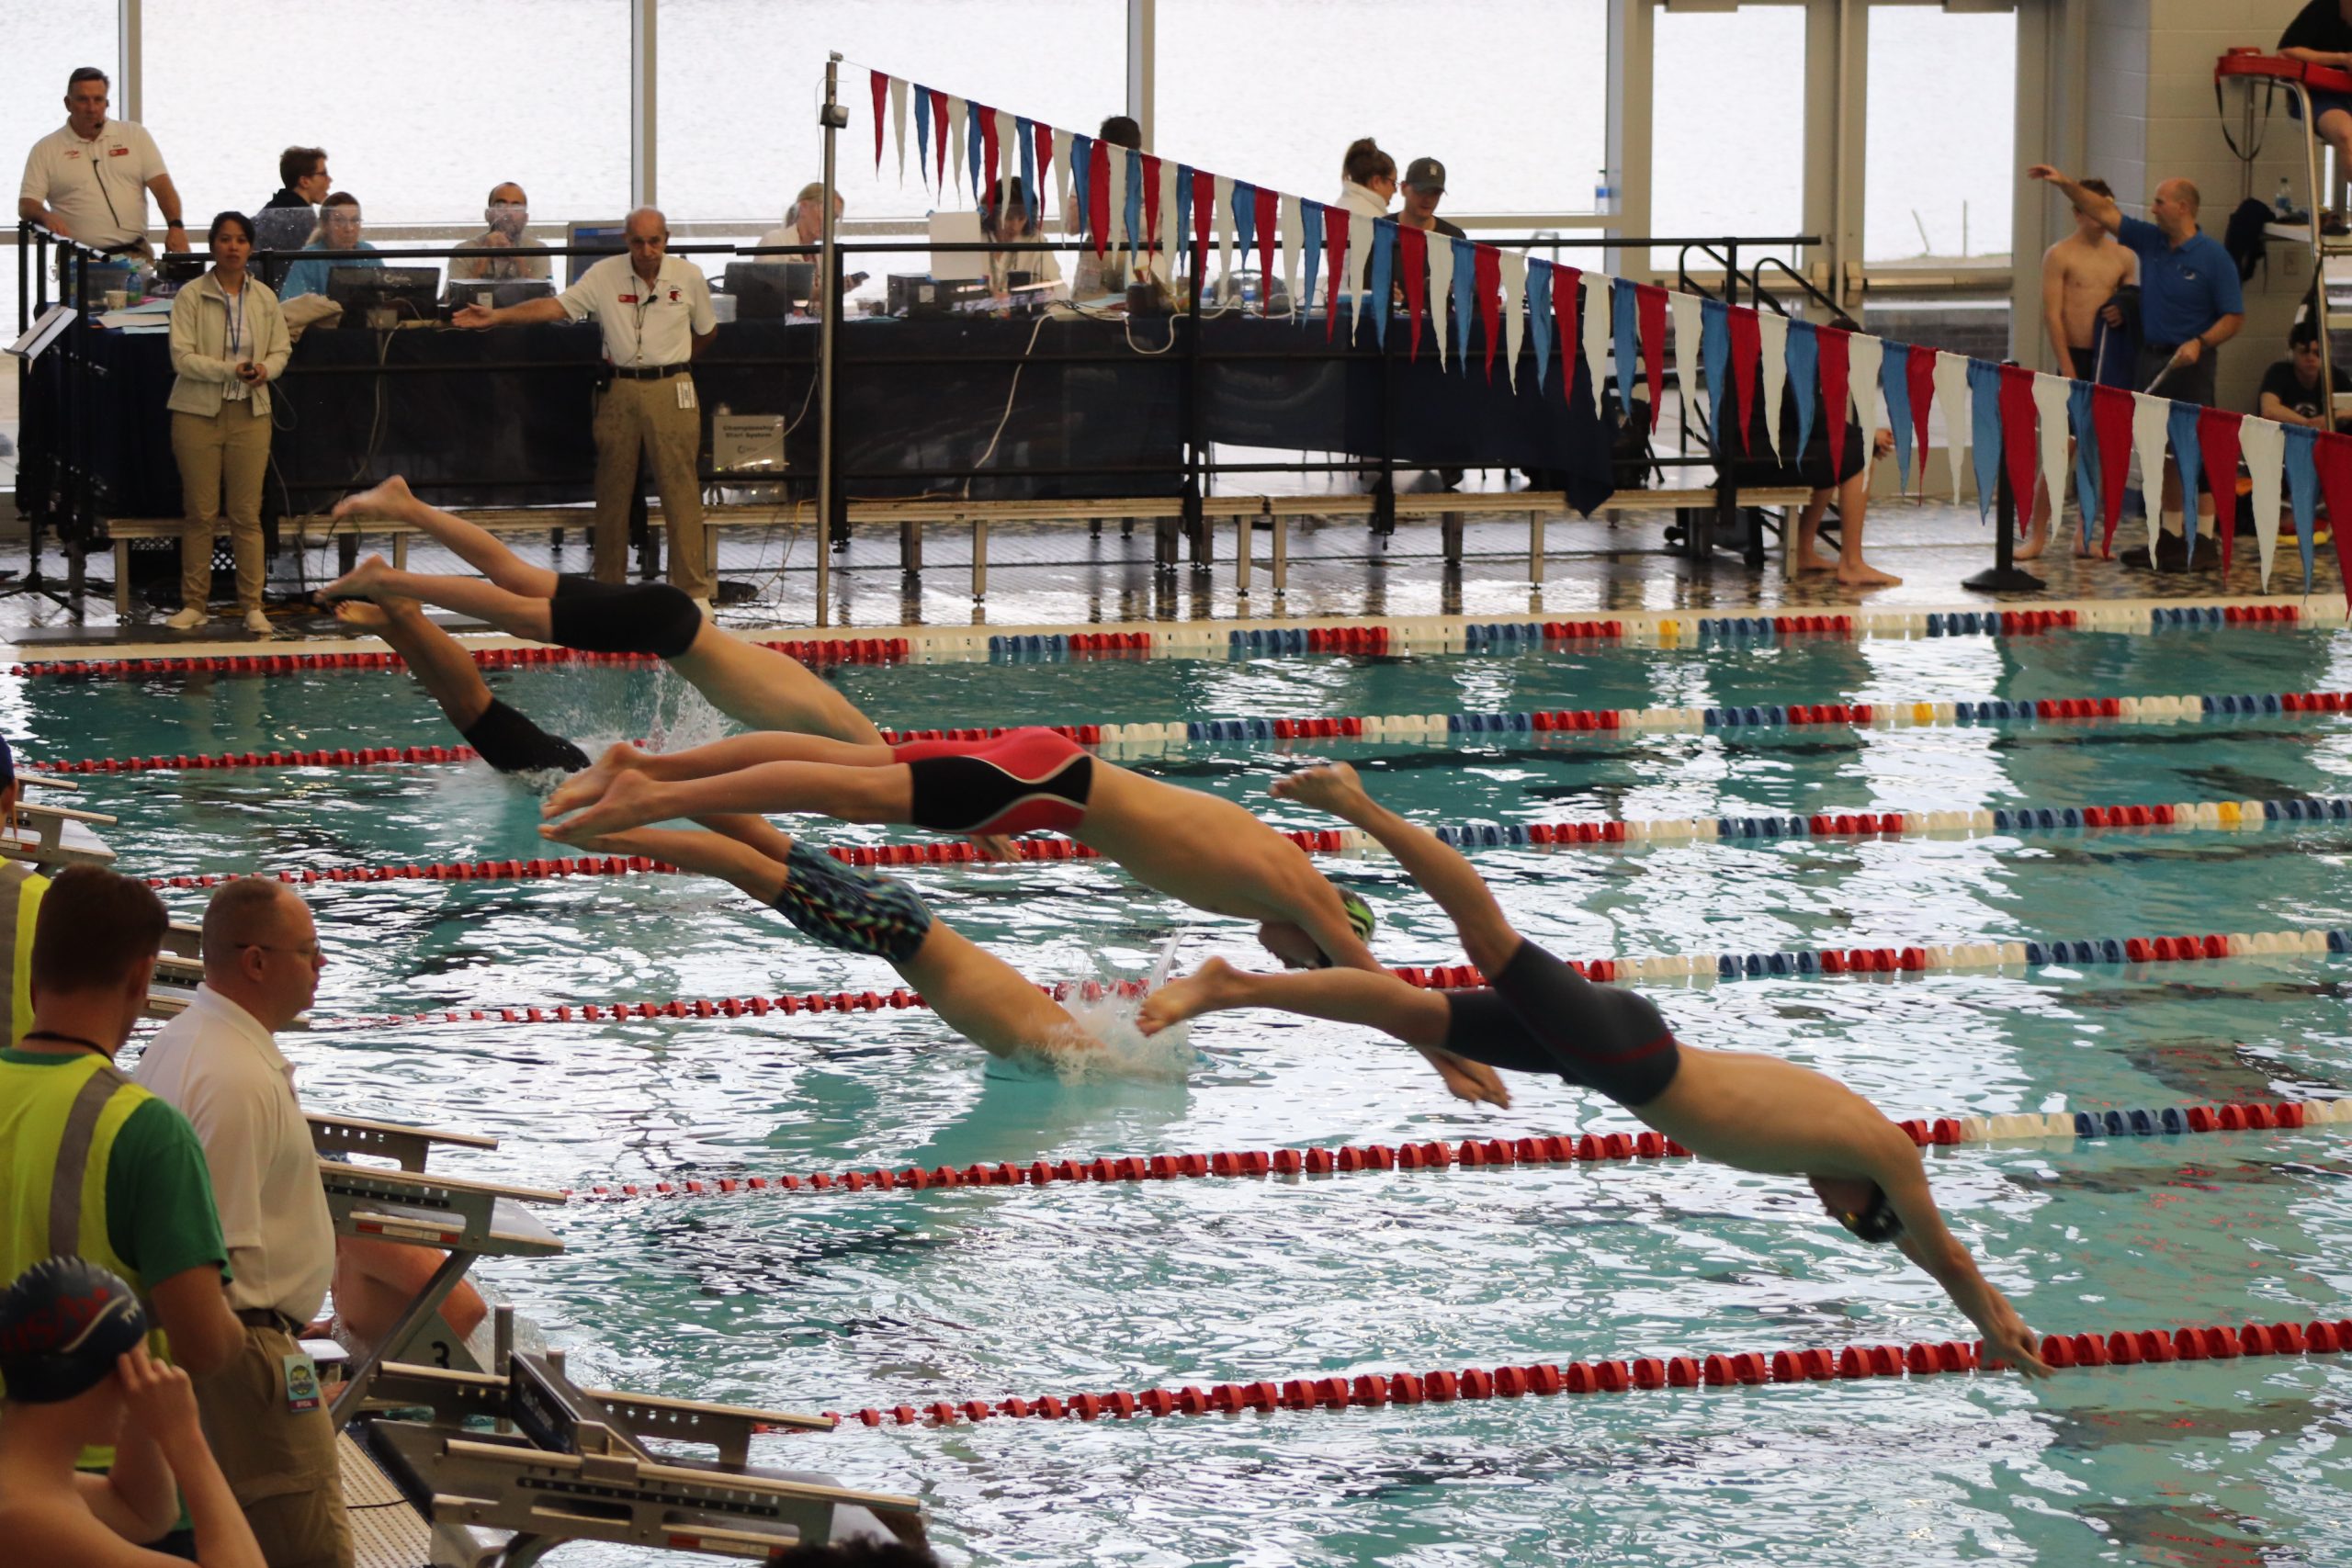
62, 1324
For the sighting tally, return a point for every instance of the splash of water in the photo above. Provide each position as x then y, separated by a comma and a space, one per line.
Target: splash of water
1114, 1047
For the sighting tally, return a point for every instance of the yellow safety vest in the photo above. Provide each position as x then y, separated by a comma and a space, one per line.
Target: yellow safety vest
20, 891
58, 1127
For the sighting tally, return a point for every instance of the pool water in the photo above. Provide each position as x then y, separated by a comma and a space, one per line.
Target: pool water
839, 1301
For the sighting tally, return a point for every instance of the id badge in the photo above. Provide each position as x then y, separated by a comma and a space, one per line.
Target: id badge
302, 1383
686, 392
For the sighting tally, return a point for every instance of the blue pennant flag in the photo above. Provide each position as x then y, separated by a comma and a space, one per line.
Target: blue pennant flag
1383, 272
1245, 232
1026, 130
1714, 357
2303, 490
922, 129
1080, 156
972, 148
1135, 195
1539, 316
1466, 298
1984, 434
1626, 331
1804, 362
2078, 417
1894, 380
1181, 244
2189, 455
1310, 229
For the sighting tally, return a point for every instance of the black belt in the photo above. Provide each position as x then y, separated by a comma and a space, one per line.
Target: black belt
268, 1317
648, 372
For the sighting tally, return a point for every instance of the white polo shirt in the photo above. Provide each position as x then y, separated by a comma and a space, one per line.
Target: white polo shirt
99, 186
221, 1068
645, 324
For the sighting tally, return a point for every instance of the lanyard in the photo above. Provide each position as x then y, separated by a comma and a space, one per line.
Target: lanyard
236, 319
647, 294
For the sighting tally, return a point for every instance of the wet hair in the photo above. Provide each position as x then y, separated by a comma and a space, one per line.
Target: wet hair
223, 220
86, 73
92, 927
1120, 130
1366, 162
297, 163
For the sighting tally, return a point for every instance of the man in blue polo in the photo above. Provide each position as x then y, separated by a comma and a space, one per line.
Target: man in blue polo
2191, 302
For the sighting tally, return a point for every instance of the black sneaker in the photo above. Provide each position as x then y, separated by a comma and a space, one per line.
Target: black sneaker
2172, 555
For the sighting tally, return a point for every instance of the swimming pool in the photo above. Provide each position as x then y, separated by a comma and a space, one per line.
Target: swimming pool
844, 1300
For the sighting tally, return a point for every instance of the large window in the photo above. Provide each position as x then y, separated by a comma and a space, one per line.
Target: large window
1512, 96
45, 43
1928, 193
741, 82
1727, 132
421, 107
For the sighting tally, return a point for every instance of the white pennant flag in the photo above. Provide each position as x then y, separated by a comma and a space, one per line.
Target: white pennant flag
2049, 395
1595, 347
899, 122
1065, 200
1952, 395
1440, 250
1166, 234
1865, 355
1293, 240
956, 111
1773, 333
1513, 267
2263, 443
1225, 239
1115, 221
1687, 318
2150, 419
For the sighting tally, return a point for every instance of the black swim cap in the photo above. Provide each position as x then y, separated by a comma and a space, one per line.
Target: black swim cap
62, 1324
1879, 1223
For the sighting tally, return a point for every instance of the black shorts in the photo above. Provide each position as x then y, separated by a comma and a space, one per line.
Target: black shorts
629, 618
513, 744
1544, 1017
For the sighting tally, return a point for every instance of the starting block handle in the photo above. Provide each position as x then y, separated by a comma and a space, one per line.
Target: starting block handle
410, 1147
727, 1428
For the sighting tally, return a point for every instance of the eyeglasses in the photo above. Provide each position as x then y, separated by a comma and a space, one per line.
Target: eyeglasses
314, 951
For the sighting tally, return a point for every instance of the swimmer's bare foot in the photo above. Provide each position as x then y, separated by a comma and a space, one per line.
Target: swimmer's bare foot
632, 800
1473, 1081
1817, 562
2035, 541
360, 582
587, 787
1205, 989
360, 614
1864, 575
393, 498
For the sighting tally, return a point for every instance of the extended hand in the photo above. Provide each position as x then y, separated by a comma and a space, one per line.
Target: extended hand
2044, 172
1333, 787
471, 316
2006, 1338
2189, 352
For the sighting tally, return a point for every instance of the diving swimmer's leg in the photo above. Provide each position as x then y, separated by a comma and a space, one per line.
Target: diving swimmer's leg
514, 613
477, 548
1372, 999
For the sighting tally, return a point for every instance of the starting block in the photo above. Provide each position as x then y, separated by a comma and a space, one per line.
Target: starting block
578, 1464
57, 836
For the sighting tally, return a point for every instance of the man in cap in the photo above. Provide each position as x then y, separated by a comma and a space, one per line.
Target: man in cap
1422, 188
73, 1352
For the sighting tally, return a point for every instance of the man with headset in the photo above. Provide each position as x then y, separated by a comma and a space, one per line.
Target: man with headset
89, 179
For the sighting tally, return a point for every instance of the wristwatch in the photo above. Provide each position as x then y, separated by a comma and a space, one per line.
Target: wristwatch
173, 223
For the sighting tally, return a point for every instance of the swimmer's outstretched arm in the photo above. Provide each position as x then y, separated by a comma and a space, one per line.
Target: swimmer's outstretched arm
1929, 1242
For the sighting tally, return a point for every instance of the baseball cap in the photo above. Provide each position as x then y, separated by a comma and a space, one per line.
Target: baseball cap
1426, 174
62, 1324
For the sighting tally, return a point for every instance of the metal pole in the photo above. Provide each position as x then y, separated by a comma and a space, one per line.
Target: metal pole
131, 92
644, 111
831, 119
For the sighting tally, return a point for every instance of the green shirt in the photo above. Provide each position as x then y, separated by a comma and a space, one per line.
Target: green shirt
160, 1218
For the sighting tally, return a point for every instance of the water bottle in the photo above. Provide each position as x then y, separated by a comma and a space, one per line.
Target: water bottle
1603, 194
2285, 201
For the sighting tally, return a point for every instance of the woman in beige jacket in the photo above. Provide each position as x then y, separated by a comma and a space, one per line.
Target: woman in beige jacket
228, 344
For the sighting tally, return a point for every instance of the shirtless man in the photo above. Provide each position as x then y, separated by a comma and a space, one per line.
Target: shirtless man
1209, 853
2079, 275
753, 686
1753, 1112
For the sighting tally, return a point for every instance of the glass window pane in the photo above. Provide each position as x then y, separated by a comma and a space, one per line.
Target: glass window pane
1928, 193
1727, 171
421, 107
740, 80
1510, 95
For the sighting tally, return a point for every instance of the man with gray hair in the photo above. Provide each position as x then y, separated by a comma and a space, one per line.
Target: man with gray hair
655, 311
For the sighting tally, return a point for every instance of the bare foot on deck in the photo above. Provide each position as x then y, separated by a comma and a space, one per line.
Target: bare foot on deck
2031, 548
1204, 990
393, 498
631, 801
1470, 1080
589, 786
360, 582
1817, 563
1865, 576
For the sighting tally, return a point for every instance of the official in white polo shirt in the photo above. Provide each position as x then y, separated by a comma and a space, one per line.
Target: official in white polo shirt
655, 311
220, 1064
89, 179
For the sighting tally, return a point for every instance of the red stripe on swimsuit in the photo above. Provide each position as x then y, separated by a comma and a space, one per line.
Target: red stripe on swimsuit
1025, 781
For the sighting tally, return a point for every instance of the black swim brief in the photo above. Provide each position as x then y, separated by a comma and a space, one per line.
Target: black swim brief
1544, 1017
628, 618
513, 744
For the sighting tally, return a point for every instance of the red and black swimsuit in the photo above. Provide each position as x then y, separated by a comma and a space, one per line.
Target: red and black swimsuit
1025, 781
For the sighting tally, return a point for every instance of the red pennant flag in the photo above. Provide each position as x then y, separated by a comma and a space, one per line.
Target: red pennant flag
1267, 208
1151, 199
1204, 221
881, 100
1044, 138
2112, 409
1487, 272
988, 145
1919, 370
939, 134
1746, 358
1412, 267
1564, 322
1836, 378
2331, 455
2017, 437
2217, 442
1098, 194
1649, 302
1335, 261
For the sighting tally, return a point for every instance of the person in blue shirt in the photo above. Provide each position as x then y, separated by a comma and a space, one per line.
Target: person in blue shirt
2190, 301
338, 229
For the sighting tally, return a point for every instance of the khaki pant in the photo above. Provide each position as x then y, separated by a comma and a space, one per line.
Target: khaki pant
644, 416
223, 459
283, 1466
